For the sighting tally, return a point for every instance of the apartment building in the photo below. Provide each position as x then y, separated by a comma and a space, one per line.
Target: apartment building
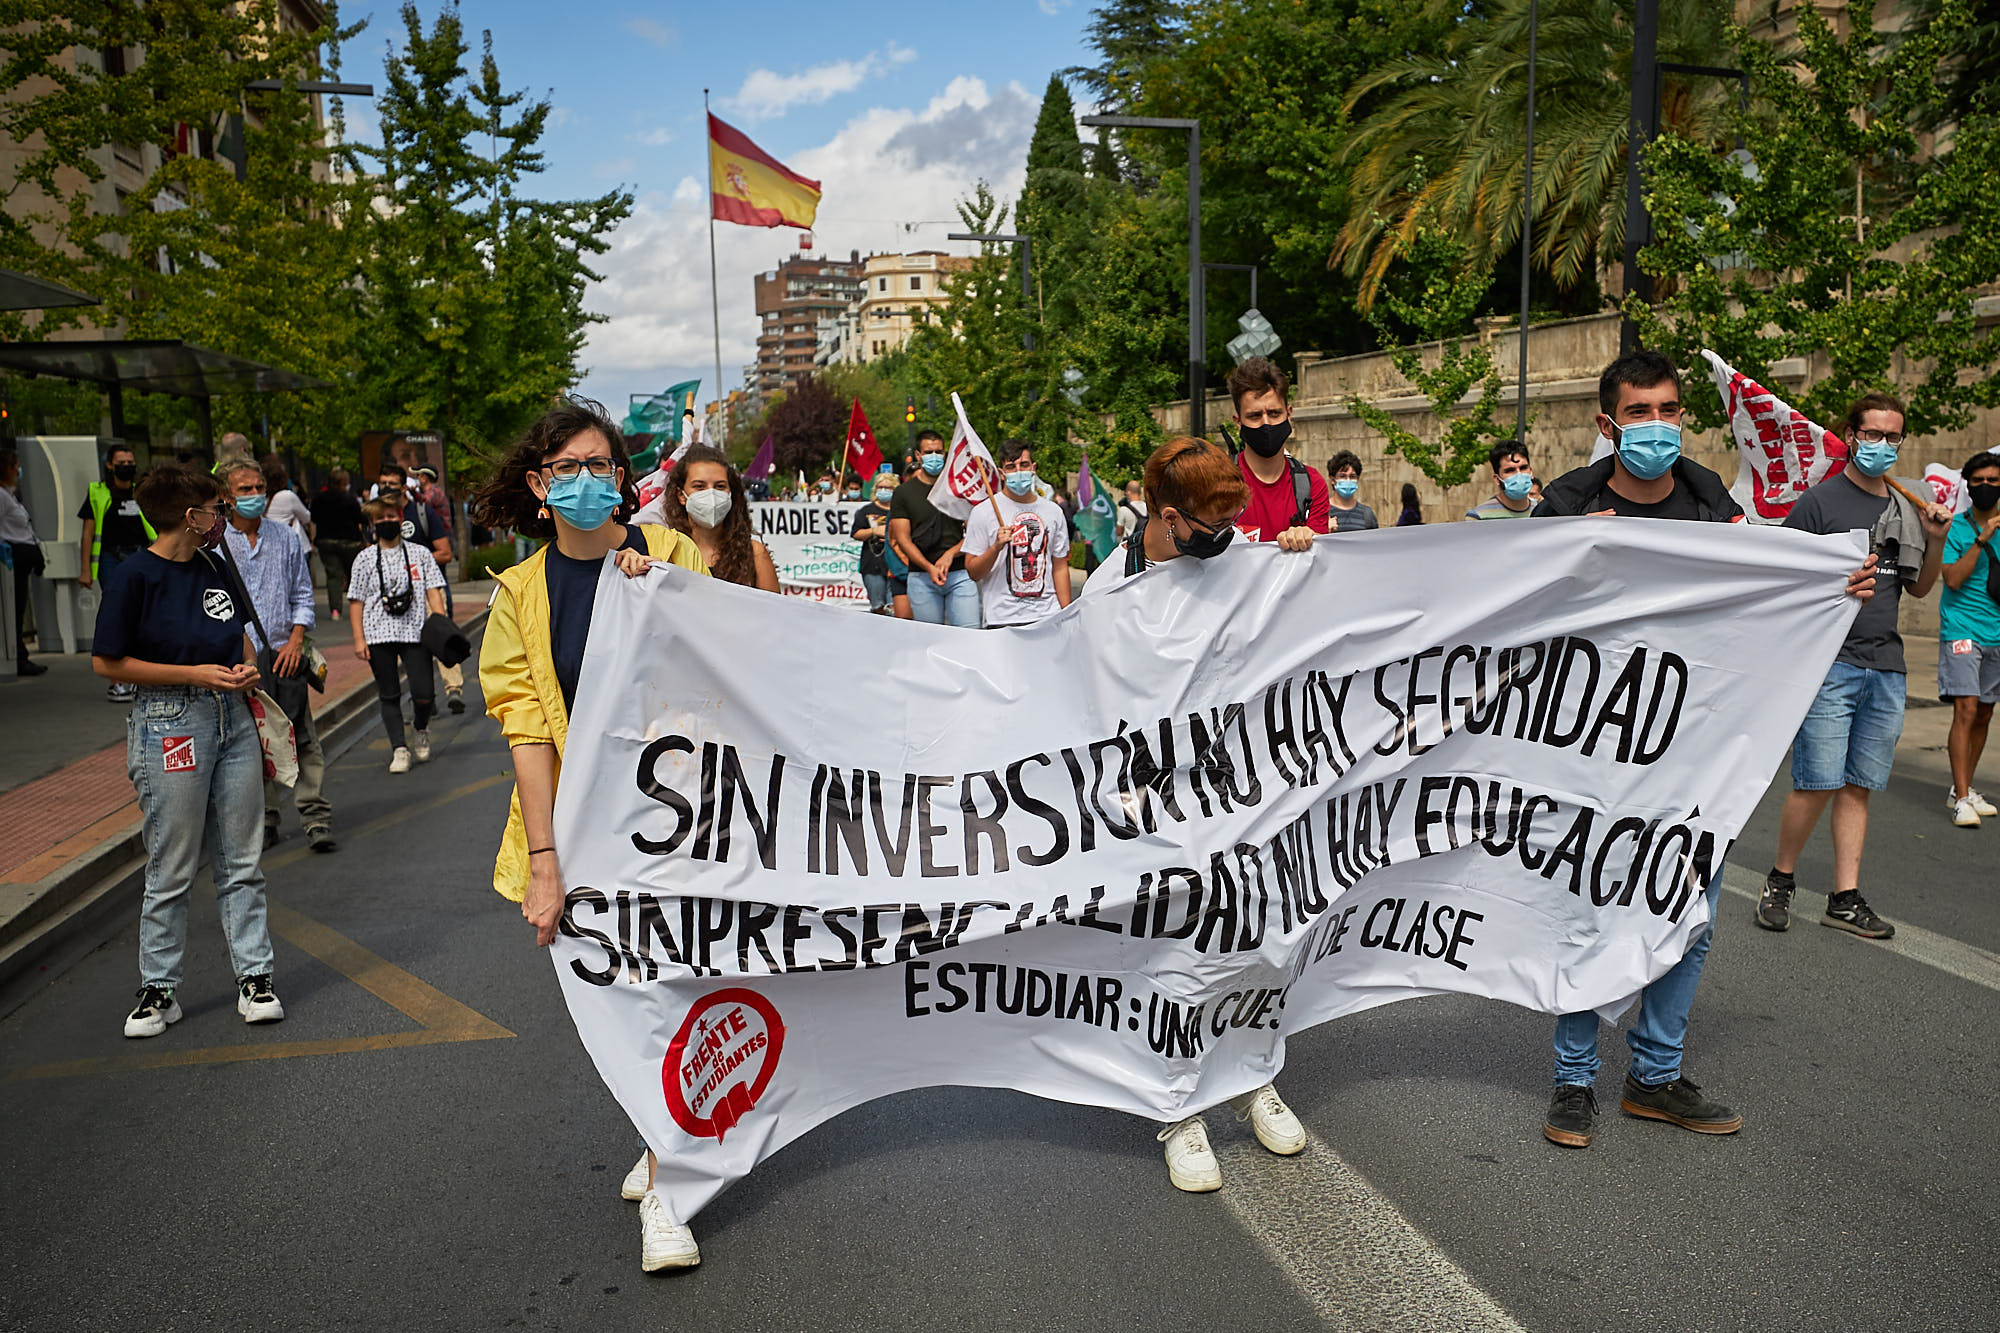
791, 301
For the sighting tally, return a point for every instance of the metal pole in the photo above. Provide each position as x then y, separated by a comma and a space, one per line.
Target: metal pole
1644, 125
714, 285
1197, 321
1527, 232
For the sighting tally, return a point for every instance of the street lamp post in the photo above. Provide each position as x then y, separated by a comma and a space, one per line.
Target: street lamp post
1197, 332
1027, 254
1527, 235
315, 86
1645, 124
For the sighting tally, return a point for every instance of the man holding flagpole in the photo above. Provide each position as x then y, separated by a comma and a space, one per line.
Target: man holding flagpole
929, 539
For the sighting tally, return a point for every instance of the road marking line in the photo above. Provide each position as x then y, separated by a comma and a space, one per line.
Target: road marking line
422, 1001
1965, 961
220, 1055
1347, 1249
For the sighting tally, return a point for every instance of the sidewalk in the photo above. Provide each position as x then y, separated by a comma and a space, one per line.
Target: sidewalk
66, 804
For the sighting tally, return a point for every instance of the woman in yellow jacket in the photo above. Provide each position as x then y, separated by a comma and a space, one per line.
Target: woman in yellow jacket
564, 479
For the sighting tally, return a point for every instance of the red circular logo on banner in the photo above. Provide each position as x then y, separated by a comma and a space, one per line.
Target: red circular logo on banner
721, 1060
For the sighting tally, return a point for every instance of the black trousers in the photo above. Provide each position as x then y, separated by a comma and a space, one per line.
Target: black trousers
27, 563
383, 659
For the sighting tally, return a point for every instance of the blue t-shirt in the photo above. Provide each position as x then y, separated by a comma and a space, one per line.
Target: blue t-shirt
1969, 612
572, 595
176, 612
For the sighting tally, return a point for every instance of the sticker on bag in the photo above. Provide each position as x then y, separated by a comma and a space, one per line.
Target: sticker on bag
178, 752
1961, 647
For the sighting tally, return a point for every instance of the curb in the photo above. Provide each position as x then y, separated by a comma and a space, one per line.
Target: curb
55, 930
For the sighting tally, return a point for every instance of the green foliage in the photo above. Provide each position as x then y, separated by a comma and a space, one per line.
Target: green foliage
1882, 302
1445, 145
880, 399
808, 428
1446, 290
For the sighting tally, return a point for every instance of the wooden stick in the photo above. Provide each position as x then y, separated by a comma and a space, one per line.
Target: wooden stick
1904, 491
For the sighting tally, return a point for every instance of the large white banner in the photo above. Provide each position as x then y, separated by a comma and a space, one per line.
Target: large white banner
1118, 857
810, 545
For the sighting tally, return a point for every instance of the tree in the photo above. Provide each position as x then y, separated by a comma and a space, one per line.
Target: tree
1857, 241
1448, 288
1446, 148
808, 428
880, 399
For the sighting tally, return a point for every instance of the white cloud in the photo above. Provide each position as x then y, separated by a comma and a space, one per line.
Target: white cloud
651, 30
658, 137
884, 168
1052, 7
766, 93
560, 116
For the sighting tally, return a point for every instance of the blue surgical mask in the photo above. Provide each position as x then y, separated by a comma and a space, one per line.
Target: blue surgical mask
1021, 484
252, 506
1872, 459
583, 501
933, 464
1649, 448
1517, 485
1346, 487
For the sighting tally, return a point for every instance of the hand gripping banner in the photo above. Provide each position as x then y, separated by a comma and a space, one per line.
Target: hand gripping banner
1119, 857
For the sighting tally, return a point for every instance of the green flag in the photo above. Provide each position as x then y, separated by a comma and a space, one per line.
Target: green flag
1096, 515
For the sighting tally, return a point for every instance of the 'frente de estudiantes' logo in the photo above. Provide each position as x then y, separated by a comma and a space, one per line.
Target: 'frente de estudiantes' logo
721, 1060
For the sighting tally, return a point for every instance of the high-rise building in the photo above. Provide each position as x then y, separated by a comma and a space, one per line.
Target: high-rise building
791, 301
898, 296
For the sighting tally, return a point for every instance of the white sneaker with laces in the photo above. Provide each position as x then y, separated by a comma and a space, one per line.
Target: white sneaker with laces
257, 1002
637, 1181
1191, 1163
399, 762
157, 1008
1963, 812
663, 1242
1980, 805
1273, 1122
423, 748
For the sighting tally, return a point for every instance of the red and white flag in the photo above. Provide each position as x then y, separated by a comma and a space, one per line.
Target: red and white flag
970, 477
1781, 452
863, 456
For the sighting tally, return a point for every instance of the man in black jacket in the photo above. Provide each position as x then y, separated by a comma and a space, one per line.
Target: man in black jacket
1639, 411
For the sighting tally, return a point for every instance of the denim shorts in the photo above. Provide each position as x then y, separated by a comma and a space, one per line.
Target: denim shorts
1849, 736
1968, 670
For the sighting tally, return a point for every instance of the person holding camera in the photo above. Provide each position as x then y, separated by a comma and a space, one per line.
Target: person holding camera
390, 591
172, 625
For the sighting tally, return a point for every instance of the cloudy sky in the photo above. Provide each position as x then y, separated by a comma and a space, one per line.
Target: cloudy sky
897, 108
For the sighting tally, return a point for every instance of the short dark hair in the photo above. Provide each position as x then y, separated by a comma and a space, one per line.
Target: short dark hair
1641, 369
1013, 449
1257, 375
1503, 450
119, 449
1345, 458
166, 493
1871, 402
391, 469
924, 435
1977, 463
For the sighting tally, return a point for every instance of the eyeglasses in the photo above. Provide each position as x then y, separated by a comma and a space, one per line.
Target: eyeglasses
1196, 523
1878, 436
565, 468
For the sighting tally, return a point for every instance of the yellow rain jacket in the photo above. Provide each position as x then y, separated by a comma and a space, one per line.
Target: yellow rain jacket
517, 674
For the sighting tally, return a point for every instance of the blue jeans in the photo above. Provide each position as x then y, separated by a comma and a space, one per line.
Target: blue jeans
195, 759
956, 603
878, 590
1660, 1029
1849, 735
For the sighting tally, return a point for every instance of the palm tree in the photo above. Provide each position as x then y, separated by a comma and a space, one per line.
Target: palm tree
1445, 149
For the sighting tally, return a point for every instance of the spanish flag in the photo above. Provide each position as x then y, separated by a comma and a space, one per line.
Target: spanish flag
750, 187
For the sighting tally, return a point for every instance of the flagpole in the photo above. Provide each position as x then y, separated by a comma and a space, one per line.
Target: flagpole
714, 286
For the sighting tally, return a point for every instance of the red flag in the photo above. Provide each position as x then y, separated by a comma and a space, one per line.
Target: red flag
862, 455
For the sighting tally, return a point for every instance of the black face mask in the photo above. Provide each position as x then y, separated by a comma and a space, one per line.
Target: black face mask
1265, 441
125, 471
1984, 495
388, 530
1203, 545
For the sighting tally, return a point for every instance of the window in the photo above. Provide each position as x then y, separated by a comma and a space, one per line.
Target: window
881, 284
916, 284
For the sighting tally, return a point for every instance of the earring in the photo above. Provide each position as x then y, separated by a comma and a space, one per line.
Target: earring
543, 512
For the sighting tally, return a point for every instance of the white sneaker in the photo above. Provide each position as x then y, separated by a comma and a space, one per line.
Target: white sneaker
256, 1001
663, 1242
157, 1008
1191, 1163
637, 1181
1273, 1122
1980, 805
423, 747
399, 762
1963, 812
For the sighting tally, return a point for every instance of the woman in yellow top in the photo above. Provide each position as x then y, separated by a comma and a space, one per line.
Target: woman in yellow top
564, 479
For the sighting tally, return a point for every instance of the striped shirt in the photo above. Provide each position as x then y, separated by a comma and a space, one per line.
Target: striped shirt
1492, 508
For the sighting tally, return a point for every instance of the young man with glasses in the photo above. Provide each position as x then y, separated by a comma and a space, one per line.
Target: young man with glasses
1847, 744
1022, 564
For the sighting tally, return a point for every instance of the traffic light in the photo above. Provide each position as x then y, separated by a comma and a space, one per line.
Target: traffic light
910, 411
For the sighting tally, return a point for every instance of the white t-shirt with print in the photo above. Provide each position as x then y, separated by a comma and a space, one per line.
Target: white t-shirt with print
408, 565
1020, 586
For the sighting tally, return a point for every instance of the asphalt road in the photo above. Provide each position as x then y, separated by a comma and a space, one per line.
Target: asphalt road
459, 1168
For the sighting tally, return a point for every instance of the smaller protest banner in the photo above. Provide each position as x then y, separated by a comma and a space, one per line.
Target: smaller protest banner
810, 545
970, 476
1781, 452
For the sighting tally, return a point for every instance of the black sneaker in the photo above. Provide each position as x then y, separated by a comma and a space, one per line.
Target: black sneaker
157, 1008
320, 838
26, 669
271, 838
1847, 911
454, 699
1774, 908
1571, 1112
256, 1001
1679, 1103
